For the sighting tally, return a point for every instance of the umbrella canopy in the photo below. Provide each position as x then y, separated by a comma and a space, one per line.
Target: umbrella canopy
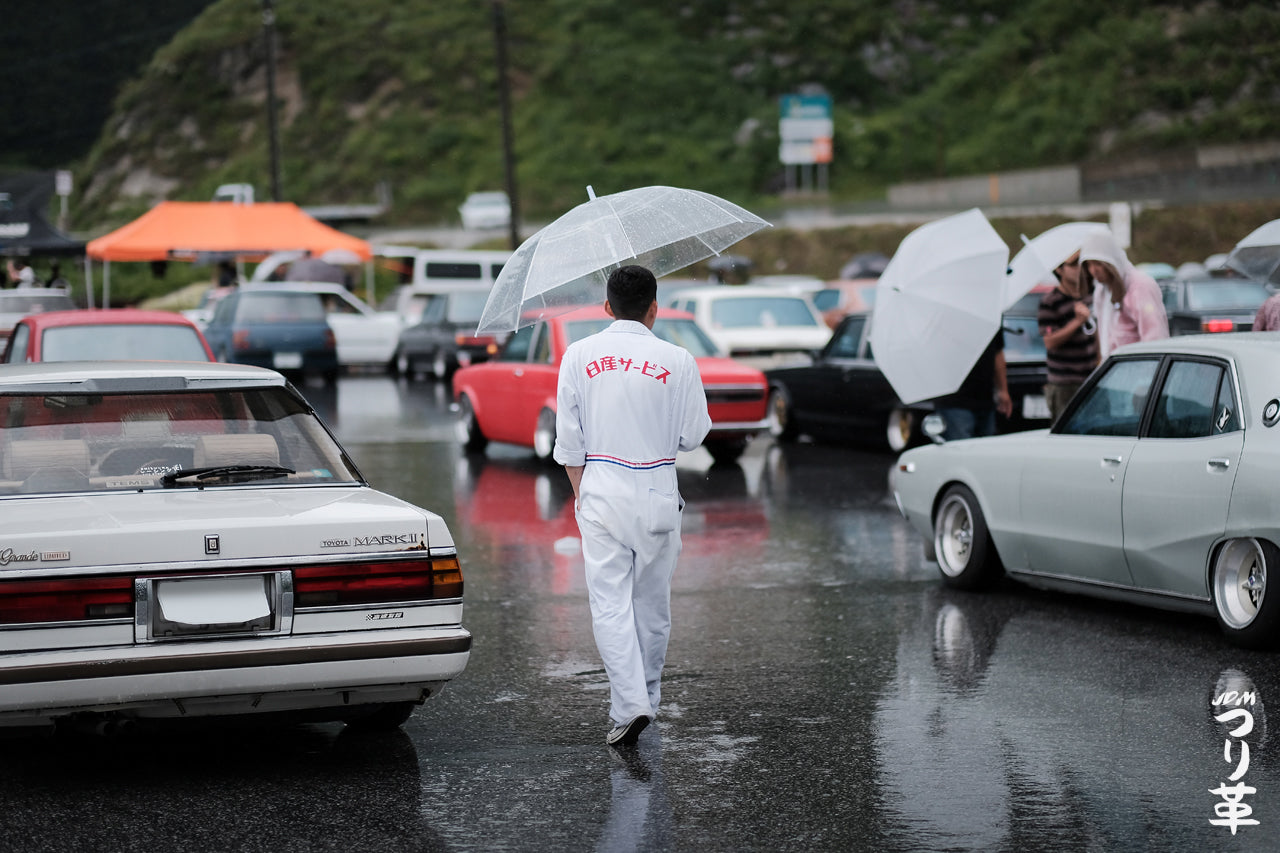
1258, 254
938, 305
568, 262
1035, 262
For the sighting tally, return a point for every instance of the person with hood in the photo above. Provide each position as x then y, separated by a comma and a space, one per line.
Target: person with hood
1126, 304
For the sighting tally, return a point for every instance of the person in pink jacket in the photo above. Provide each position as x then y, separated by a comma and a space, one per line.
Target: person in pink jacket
1127, 305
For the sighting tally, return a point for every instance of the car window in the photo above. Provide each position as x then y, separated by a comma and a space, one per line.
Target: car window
1225, 293
495, 269
826, 299
517, 348
433, 309
34, 303
1022, 340
86, 441
1187, 405
17, 349
761, 311
542, 344
280, 308
1169, 295
125, 342
1114, 405
1226, 415
335, 304
845, 343
445, 269
466, 307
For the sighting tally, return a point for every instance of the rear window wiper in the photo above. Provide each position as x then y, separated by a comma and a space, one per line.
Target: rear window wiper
237, 472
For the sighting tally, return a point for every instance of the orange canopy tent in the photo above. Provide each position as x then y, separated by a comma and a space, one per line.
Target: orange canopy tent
186, 229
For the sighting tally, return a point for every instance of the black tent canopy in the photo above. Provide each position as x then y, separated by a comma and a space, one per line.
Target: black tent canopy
24, 230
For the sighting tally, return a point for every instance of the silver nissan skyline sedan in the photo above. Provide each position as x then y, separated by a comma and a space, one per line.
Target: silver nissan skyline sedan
1157, 485
182, 539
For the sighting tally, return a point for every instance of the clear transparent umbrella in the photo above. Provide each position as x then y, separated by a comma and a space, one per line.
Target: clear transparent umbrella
938, 305
568, 262
1258, 254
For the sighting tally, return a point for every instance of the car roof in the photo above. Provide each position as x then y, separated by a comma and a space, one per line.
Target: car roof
107, 317
142, 376
1237, 344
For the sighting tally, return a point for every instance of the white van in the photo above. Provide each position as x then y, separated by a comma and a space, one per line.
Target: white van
437, 270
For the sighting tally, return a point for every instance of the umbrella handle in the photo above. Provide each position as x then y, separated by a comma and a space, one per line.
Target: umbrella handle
1089, 326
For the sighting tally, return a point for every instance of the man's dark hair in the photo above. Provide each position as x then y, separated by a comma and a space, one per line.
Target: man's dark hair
631, 290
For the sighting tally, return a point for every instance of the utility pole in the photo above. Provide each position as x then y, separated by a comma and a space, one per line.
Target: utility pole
273, 130
504, 101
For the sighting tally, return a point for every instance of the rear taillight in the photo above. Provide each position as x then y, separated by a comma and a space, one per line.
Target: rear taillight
1217, 326
240, 339
374, 583
65, 600
330, 342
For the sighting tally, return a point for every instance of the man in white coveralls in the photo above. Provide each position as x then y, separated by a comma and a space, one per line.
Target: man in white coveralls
626, 403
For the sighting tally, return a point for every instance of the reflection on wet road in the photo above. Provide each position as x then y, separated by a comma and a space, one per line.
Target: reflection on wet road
823, 692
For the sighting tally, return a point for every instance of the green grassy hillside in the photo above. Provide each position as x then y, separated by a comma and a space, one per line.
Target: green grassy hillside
618, 95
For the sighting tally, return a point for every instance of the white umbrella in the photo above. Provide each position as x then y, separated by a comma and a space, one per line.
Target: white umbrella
1037, 259
1258, 254
568, 262
938, 305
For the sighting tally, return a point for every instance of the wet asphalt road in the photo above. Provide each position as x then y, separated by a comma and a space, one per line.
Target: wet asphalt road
822, 692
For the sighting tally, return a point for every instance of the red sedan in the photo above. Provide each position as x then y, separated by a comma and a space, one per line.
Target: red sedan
512, 398
106, 334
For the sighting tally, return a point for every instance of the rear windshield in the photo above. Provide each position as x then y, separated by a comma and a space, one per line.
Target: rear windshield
57, 443
761, 311
1210, 295
681, 332
34, 303
149, 342
280, 308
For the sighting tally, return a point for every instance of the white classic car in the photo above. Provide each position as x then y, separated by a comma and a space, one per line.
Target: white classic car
760, 325
181, 540
363, 335
1157, 486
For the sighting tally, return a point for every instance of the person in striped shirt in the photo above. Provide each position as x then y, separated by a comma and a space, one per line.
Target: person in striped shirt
1068, 329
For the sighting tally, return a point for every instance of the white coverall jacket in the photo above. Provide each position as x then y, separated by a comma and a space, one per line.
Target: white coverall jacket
626, 403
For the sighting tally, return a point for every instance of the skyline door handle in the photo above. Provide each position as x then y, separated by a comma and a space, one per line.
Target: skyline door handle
1219, 463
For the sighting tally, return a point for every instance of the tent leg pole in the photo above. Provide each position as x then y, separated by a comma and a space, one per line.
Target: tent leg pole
88, 281
106, 284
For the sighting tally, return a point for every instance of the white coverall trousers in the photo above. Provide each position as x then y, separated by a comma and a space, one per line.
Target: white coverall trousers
630, 559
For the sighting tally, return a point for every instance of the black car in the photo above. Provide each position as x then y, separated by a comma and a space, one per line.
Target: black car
1025, 365
1212, 304
444, 337
844, 396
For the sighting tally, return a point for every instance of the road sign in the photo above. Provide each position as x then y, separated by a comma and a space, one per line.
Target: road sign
805, 128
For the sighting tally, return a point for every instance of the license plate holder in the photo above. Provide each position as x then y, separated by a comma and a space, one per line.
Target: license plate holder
287, 360
187, 607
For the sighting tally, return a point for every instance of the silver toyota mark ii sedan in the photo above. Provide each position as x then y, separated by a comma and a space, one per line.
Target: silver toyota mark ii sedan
186, 539
1157, 485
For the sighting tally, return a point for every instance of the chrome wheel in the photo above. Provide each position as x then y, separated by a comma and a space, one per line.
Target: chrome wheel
901, 426
403, 364
1239, 582
544, 435
953, 535
779, 415
440, 365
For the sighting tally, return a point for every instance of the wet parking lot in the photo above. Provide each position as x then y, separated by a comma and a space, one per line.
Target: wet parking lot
822, 692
